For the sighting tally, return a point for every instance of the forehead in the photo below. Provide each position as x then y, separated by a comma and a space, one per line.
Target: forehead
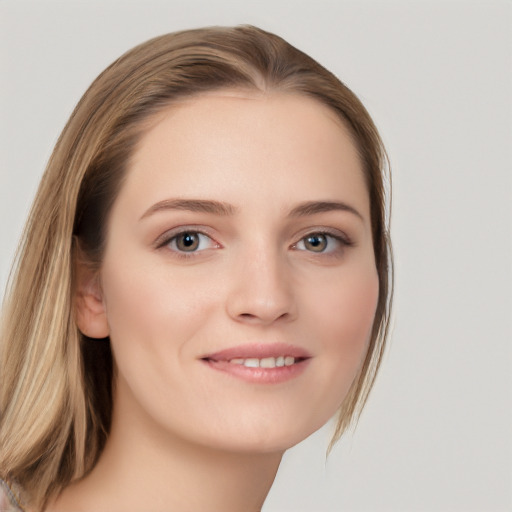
238, 146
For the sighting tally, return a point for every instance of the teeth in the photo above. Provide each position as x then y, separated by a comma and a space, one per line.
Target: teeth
267, 362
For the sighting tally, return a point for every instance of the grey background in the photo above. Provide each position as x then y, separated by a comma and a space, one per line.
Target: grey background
437, 78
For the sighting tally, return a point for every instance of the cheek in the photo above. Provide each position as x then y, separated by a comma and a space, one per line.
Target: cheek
356, 310
153, 313
344, 316
345, 308
133, 303
144, 296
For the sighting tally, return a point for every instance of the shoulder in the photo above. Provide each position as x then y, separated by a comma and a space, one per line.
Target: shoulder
9, 501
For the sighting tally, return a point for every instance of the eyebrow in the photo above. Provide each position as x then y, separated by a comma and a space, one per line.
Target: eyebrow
314, 207
226, 209
192, 205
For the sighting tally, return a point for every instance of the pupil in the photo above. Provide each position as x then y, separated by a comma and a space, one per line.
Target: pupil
188, 241
316, 243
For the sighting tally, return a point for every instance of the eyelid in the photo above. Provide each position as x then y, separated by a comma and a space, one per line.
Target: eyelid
340, 240
331, 232
164, 239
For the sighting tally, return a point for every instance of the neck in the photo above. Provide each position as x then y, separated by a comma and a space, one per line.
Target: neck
160, 473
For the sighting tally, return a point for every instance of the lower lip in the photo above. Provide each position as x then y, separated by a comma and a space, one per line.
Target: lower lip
259, 375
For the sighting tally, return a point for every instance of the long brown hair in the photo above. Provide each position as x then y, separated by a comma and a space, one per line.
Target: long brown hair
56, 384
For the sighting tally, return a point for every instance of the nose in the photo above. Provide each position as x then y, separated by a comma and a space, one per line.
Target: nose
262, 290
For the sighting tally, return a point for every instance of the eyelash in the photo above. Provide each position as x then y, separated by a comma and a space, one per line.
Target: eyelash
337, 237
166, 240
332, 236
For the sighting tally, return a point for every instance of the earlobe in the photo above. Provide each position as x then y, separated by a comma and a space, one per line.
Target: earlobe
90, 311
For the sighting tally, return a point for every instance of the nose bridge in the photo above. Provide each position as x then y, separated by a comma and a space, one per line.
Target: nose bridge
262, 286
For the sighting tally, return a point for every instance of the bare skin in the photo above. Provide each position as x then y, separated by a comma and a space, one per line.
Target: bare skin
243, 225
170, 475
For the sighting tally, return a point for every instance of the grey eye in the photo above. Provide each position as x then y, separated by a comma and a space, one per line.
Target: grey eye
189, 242
315, 243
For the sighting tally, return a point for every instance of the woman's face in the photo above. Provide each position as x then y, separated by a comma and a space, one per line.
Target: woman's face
239, 281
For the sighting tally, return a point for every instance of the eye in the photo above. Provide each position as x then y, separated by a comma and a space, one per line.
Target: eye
316, 242
321, 243
190, 241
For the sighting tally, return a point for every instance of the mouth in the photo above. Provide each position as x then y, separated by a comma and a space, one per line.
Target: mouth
261, 363
265, 362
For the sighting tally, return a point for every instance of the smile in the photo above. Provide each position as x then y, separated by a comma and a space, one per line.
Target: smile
261, 363
266, 362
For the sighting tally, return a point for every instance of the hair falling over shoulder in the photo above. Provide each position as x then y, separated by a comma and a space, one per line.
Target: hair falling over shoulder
55, 383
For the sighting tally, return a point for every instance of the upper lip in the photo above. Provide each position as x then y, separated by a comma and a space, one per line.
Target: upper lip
258, 351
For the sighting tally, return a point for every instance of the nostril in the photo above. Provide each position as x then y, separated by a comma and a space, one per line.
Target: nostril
260, 307
253, 317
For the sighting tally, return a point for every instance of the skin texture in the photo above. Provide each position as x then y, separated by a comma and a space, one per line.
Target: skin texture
186, 436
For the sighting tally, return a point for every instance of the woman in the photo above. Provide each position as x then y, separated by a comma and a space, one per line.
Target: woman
203, 280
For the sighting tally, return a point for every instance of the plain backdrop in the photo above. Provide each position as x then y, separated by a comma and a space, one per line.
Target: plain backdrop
436, 76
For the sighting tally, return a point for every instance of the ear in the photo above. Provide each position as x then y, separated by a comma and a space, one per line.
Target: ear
90, 312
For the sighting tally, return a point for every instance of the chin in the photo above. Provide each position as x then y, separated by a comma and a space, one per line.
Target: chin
265, 437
